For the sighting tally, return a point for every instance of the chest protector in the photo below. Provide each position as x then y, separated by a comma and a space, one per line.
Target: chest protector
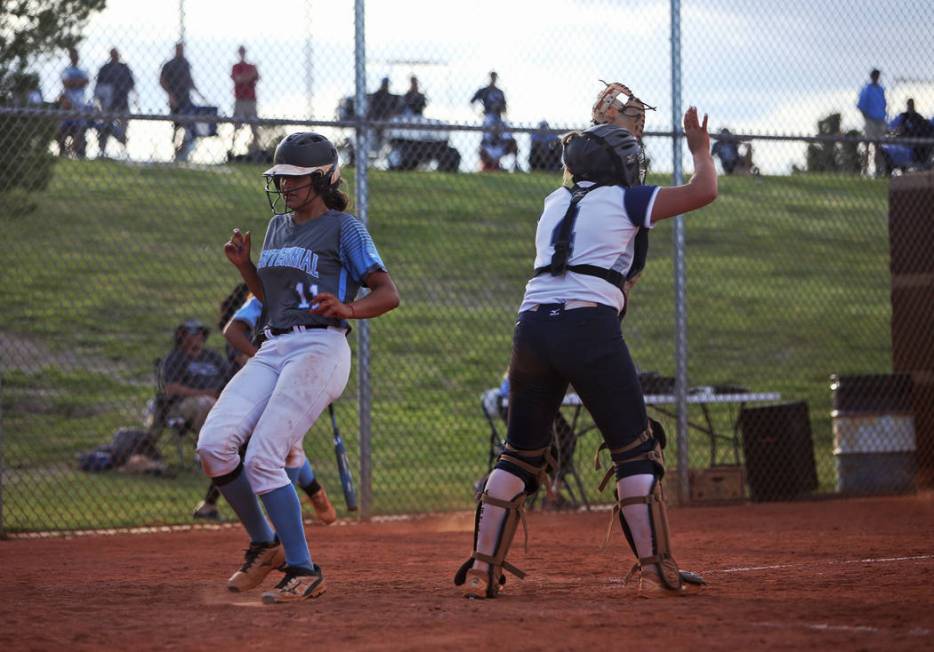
559, 260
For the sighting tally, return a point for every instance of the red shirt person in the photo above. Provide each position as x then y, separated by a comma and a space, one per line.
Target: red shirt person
245, 75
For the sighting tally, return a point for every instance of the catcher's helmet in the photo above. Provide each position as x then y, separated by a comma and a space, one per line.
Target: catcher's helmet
604, 154
299, 154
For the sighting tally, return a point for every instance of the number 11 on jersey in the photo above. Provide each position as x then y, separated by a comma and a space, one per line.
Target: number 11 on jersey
303, 299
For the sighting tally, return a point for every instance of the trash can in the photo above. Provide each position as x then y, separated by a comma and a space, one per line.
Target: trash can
873, 434
779, 451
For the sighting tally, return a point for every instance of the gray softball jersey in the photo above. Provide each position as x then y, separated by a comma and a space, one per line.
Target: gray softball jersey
332, 253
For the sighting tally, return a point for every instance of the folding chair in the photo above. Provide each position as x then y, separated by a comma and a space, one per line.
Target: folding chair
161, 406
491, 402
564, 443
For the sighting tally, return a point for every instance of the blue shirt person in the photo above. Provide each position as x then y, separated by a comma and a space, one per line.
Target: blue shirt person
872, 105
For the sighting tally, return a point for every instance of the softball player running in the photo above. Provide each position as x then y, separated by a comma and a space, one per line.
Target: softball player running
568, 331
313, 261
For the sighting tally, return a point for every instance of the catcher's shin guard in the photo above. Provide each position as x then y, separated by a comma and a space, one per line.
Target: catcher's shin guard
487, 584
630, 460
529, 466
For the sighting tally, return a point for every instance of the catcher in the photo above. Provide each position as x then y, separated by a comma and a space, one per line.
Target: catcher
568, 332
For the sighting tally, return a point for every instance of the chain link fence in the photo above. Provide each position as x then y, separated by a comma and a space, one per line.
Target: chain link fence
810, 364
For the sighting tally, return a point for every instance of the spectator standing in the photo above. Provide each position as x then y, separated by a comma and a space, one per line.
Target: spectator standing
382, 105
492, 98
496, 141
176, 80
245, 75
74, 82
872, 105
414, 101
112, 91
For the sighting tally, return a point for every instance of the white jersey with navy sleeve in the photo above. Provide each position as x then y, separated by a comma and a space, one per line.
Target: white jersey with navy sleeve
609, 217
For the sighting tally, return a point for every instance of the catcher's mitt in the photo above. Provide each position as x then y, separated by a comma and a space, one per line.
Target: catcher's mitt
629, 115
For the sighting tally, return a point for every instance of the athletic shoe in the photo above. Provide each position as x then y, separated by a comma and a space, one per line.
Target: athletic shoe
323, 508
260, 559
475, 585
649, 585
207, 511
298, 584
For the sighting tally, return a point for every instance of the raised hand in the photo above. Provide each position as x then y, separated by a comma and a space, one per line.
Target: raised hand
237, 249
696, 132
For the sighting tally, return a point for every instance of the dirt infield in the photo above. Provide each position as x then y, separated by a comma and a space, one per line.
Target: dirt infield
854, 574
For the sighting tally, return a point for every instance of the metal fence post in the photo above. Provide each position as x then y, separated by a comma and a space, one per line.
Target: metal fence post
681, 322
2, 528
361, 192
181, 21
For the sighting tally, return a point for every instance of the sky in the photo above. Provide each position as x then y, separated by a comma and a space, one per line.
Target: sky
755, 66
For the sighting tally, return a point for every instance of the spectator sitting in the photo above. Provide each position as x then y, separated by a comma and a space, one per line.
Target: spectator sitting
496, 143
193, 374
414, 101
75, 82
727, 150
24, 89
732, 158
911, 124
545, 149
112, 91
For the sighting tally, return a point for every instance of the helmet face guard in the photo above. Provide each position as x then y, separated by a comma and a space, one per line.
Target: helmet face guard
319, 179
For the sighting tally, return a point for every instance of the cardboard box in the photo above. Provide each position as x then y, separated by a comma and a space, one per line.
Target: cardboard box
719, 484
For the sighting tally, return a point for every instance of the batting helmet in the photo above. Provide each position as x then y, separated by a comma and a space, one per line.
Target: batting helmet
604, 154
299, 154
305, 152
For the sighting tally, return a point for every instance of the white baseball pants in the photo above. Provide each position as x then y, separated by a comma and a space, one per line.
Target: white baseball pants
277, 396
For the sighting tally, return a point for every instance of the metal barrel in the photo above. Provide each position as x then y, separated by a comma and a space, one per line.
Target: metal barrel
874, 434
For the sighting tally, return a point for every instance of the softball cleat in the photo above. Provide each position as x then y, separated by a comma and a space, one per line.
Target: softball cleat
260, 559
324, 509
296, 585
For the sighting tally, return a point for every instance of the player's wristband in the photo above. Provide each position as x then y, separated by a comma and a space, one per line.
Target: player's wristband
352, 312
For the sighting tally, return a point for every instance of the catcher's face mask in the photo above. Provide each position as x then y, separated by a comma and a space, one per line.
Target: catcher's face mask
617, 105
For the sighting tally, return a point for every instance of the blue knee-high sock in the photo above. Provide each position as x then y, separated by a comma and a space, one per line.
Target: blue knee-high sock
306, 474
301, 476
243, 501
285, 512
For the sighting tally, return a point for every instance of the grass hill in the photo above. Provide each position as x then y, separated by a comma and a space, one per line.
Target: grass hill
788, 283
